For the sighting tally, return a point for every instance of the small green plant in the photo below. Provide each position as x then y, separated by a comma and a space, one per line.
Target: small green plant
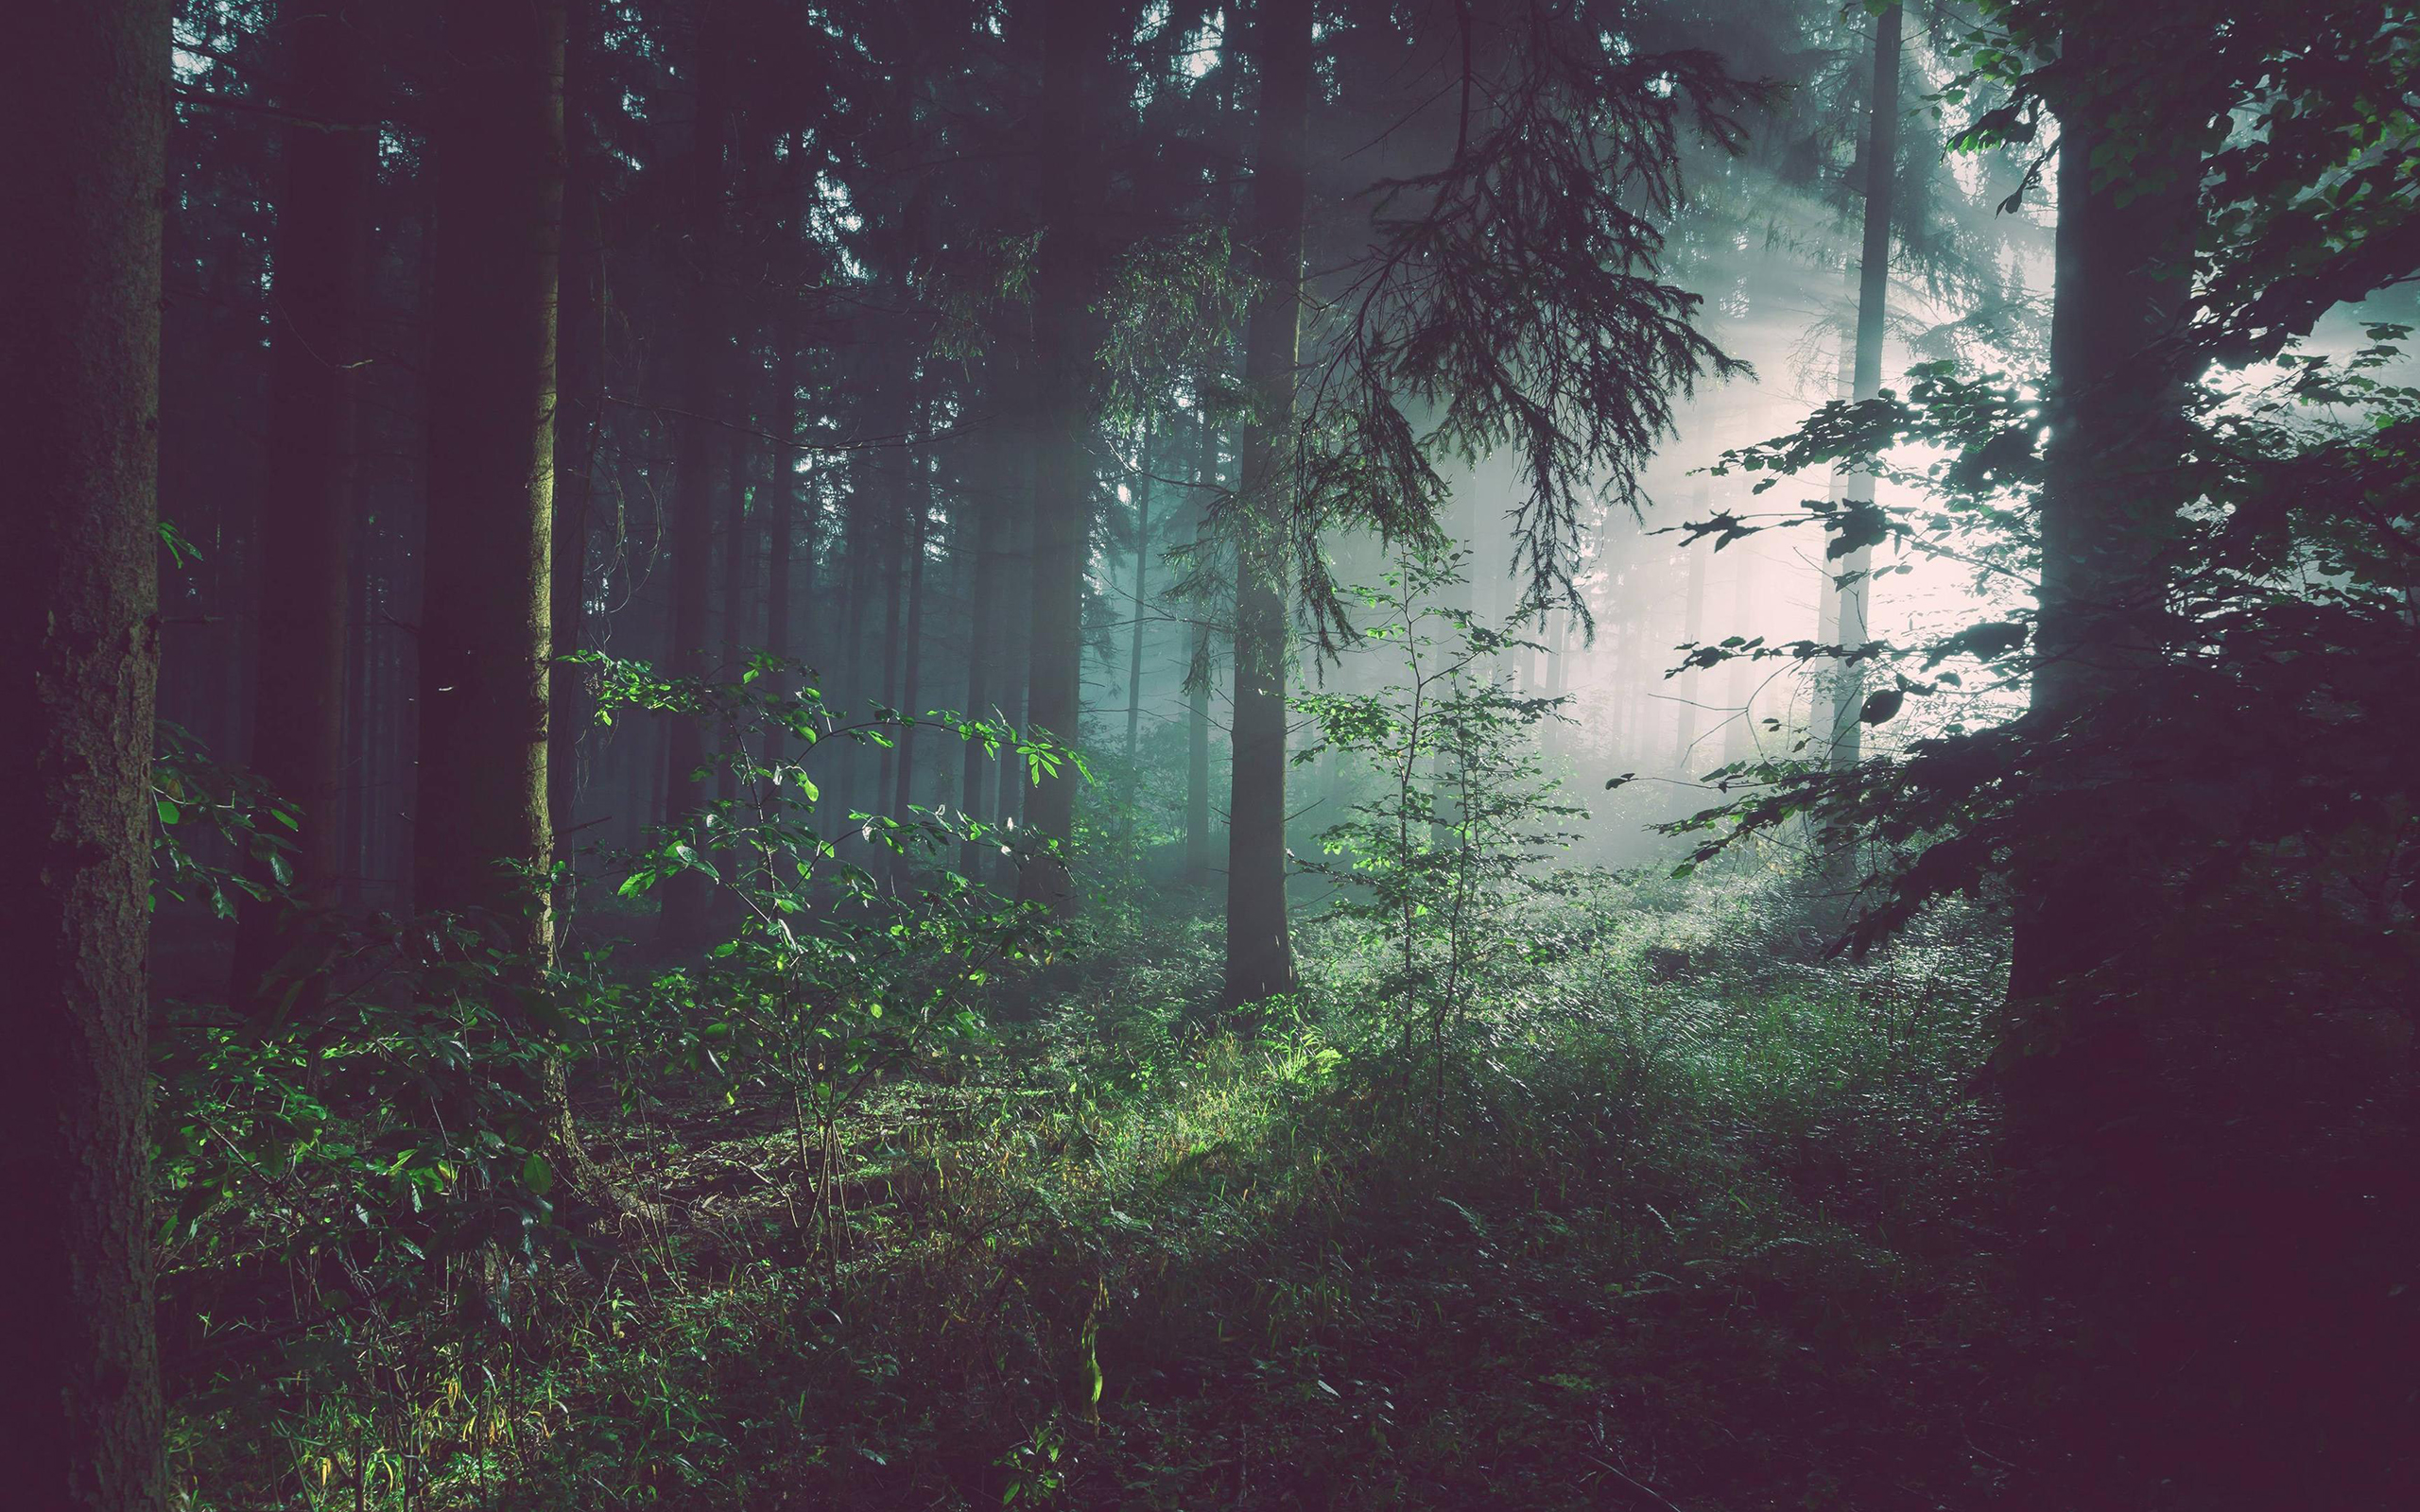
208, 819
1450, 847
839, 972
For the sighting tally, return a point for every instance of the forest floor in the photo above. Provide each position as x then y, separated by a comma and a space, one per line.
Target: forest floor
1703, 1223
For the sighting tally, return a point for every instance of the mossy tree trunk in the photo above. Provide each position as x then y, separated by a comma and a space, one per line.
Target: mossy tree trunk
79, 349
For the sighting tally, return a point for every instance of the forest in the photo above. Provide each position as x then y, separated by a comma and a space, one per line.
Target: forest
1653, 754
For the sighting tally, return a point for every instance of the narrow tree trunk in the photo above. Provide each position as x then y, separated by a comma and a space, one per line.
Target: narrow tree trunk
1739, 736
894, 575
1014, 679
355, 773
688, 895
315, 357
1197, 671
578, 420
1063, 470
989, 500
845, 675
1142, 597
737, 579
781, 526
911, 651
1846, 746
1260, 955
497, 158
79, 358
1685, 688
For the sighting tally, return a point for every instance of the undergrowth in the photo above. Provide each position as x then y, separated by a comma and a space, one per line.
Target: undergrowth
1701, 1221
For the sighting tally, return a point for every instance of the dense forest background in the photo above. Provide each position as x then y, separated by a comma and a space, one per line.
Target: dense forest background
1323, 753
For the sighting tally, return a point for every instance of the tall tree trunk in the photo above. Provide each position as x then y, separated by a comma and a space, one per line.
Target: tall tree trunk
1142, 596
1197, 671
1739, 736
894, 576
1074, 34
315, 356
1260, 954
911, 651
1135, 646
738, 577
1687, 687
688, 895
578, 420
990, 501
1854, 579
781, 525
80, 358
498, 157
1018, 609
2122, 247
354, 774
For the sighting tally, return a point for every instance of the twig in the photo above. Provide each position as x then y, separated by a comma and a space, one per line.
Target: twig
1642, 1489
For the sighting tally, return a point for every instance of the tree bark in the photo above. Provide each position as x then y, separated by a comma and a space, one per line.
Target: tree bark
1134, 647
894, 576
497, 158
1074, 40
1197, 672
781, 525
2124, 244
316, 352
688, 895
79, 366
911, 651
1852, 576
738, 577
1687, 687
578, 420
990, 501
1260, 955
1739, 735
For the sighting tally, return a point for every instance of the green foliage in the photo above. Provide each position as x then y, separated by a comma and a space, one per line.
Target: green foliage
1442, 860
2285, 610
840, 972
219, 834
400, 1153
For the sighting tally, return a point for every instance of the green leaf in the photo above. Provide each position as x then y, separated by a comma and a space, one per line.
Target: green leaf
536, 1175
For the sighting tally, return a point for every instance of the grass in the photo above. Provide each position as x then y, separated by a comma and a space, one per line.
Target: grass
1701, 1223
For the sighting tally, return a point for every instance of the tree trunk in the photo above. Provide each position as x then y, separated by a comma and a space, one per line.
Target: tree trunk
315, 356
894, 574
737, 579
911, 650
688, 895
1853, 579
1685, 688
496, 154
1074, 43
990, 501
1197, 672
2121, 252
781, 526
1739, 736
1142, 592
79, 348
1260, 955
578, 420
